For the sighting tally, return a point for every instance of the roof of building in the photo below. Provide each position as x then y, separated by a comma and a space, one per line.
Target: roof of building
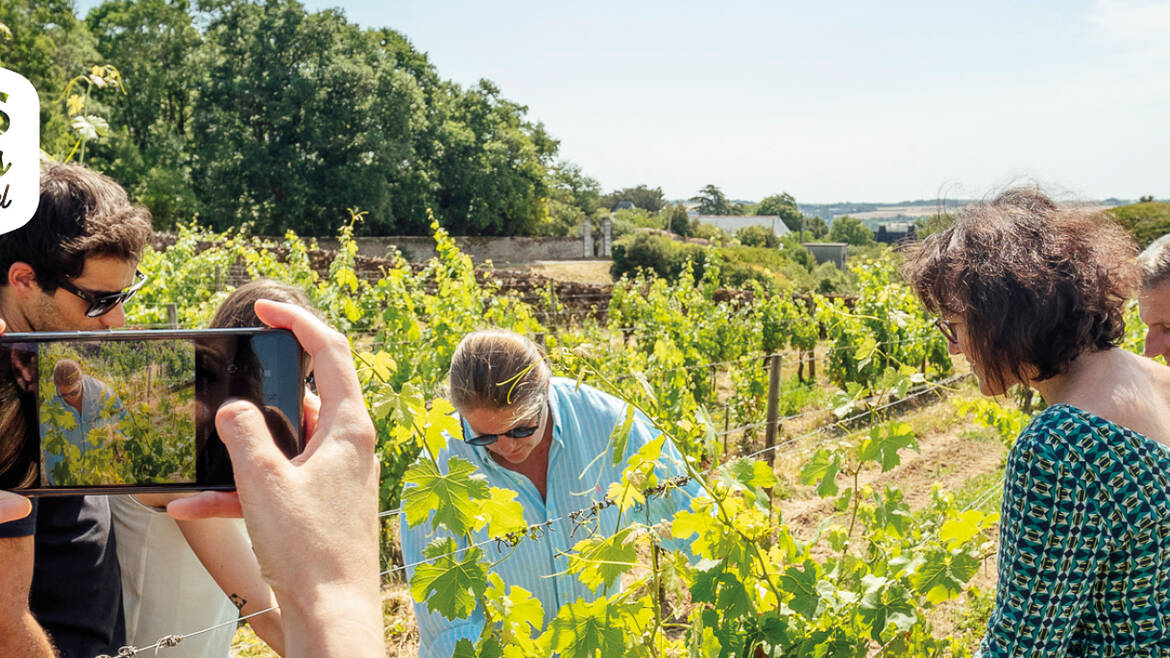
732, 223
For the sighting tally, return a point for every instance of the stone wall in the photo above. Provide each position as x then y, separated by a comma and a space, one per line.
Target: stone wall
576, 300
418, 249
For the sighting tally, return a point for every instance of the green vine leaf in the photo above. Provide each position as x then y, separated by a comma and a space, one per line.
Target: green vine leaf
802, 584
500, 513
452, 582
620, 436
943, 574
601, 561
822, 469
884, 442
585, 630
441, 423
886, 603
454, 498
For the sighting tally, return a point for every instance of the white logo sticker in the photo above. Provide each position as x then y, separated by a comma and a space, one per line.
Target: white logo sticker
20, 149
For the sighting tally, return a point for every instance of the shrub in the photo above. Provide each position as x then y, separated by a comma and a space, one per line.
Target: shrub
796, 252
1146, 221
757, 236
656, 253
828, 280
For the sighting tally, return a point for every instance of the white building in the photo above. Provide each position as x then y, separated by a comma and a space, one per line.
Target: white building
732, 223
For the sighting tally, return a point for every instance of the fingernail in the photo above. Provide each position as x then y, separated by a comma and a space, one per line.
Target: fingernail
14, 508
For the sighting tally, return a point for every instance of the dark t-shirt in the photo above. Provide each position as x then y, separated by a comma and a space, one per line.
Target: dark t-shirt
77, 586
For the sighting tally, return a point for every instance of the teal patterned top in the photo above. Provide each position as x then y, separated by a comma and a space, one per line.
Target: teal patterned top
1084, 552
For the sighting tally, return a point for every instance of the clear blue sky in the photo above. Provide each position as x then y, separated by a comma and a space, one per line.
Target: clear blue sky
877, 101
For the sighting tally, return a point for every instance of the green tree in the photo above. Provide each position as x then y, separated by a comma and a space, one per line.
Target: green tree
850, 230
783, 205
301, 117
757, 236
679, 220
641, 196
796, 252
491, 173
573, 197
817, 227
159, 50
712, 201
45, 43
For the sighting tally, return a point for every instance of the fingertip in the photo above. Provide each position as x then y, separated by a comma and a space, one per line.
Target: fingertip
13, 507
277, 315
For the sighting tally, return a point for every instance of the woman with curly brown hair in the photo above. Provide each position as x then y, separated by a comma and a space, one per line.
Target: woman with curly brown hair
1034, 294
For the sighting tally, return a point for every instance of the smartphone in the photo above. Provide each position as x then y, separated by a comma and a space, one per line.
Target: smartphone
134, 411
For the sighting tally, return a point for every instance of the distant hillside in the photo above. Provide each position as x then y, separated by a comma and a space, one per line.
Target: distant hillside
907, 211
874, 214
900, 211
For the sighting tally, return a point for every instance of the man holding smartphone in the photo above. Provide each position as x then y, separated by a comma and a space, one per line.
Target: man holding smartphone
69, 269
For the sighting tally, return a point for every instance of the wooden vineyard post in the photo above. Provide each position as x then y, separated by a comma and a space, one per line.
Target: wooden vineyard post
172, 316
812, 365
218, 278
773, 424
726, 424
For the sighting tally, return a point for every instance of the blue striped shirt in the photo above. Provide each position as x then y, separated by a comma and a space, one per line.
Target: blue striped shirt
583, 419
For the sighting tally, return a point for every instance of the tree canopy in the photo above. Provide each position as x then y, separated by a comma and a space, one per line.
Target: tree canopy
642, 196
783, 205
712, 201
851, 231
261, 111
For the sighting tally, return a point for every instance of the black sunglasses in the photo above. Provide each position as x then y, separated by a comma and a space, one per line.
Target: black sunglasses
514, 433
101, 302
947, 329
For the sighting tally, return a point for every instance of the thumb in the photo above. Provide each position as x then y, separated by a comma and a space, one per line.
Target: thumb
249, 443
12, 506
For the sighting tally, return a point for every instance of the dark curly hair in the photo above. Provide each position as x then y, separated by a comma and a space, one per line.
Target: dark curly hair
1035, 284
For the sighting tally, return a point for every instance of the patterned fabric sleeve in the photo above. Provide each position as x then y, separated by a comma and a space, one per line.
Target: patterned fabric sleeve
1053, 539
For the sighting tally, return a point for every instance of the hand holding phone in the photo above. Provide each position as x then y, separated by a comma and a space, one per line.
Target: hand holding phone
313, 520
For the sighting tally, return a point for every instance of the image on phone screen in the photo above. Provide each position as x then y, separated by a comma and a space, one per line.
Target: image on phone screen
134, 410
117, 412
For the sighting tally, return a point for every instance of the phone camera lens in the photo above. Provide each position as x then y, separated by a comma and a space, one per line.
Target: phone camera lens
233, 368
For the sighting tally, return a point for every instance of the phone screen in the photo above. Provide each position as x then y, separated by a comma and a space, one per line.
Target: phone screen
137, 409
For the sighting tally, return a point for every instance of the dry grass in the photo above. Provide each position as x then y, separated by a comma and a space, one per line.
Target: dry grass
401, 633
576, 271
